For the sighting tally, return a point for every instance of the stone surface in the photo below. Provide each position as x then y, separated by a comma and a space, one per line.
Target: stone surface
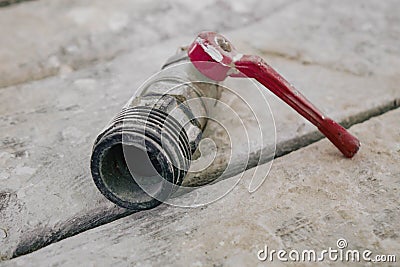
357, 37
48, 126
4, 3
45, 38
311, 198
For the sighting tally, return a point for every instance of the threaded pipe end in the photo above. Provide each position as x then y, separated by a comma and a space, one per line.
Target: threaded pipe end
141, 158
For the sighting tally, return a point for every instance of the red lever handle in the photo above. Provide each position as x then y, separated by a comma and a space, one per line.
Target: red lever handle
213, 47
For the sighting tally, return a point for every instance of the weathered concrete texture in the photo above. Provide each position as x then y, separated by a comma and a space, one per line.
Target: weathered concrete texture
357, 37
47, 129
311, 198
45, 38
47, 142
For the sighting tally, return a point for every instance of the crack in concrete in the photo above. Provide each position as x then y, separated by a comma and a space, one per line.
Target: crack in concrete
298, 58
5, 3
76, 63
310, 138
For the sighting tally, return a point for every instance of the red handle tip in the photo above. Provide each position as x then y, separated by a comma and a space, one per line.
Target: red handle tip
340, 137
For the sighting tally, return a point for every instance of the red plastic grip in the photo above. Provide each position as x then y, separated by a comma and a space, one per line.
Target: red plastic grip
340, 137
213, 47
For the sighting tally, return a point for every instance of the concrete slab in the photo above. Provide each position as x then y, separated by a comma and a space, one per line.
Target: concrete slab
46, 38
47, 129
311, 199
357, 37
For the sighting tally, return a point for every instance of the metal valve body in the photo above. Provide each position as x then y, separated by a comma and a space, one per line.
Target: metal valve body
140, 158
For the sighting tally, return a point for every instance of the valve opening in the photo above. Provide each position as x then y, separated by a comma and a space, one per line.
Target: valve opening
130, 164
131, 173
